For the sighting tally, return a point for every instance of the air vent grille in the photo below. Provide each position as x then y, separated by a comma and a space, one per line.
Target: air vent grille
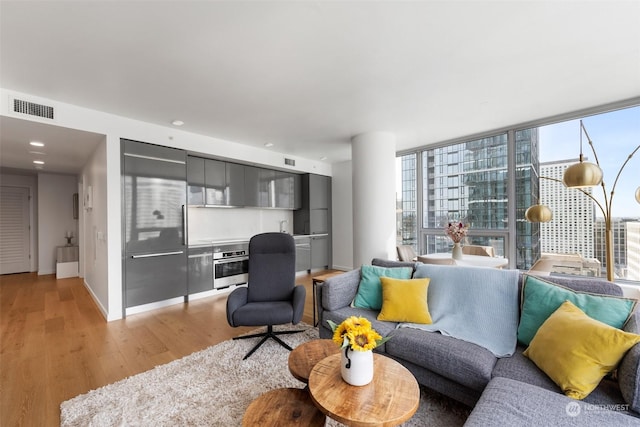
289, 162
32, 109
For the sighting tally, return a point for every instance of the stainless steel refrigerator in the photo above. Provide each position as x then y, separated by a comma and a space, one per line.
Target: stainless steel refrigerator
154, 180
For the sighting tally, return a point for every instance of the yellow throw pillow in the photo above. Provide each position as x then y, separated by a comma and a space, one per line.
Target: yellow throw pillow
576, 351
404, 300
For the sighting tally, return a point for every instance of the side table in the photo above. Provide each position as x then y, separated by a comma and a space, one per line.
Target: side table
283, 407
389, 400
315, 280
305, 356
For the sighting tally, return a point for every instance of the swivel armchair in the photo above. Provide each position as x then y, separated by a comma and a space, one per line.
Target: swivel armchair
271, 296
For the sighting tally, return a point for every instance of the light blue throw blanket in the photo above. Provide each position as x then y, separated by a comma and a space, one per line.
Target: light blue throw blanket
477, 305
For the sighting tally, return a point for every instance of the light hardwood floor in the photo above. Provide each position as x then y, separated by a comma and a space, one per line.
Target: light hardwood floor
55, 343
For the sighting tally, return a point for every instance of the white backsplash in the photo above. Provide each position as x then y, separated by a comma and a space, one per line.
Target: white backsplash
232, 223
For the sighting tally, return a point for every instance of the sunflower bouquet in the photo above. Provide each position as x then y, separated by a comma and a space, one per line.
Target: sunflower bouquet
356, 333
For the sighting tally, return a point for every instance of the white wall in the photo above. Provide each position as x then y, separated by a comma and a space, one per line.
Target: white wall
55, 217
342, 214
30, 182
93, 257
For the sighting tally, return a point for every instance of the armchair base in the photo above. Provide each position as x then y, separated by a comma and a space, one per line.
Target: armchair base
269, 333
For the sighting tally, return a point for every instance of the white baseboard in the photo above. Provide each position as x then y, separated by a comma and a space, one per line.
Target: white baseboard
102, 309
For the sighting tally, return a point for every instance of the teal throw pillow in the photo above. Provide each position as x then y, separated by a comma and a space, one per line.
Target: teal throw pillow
541, 298
369, 293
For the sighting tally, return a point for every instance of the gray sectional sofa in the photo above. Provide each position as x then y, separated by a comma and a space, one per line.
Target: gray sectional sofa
503, 391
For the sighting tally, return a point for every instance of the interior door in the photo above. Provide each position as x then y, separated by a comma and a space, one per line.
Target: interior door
14, 230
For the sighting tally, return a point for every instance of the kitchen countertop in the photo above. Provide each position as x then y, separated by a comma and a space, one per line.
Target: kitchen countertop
201, 243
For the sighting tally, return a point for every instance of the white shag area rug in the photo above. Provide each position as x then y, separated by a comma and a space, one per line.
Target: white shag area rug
214, 387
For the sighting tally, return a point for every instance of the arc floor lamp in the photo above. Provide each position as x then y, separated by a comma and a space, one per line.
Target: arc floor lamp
583, 175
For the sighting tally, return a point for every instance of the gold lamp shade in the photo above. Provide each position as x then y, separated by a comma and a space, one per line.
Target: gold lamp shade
582, 174
538, 213
638, 194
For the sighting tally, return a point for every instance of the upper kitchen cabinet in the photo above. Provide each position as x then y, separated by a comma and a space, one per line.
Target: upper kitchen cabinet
319, 191
214, 182
195, 179
314, 215
234, 174
267, 188
215, 179
219, 183
287, 190
257, 186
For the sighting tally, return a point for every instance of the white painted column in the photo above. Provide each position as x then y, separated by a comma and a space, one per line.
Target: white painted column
373, 157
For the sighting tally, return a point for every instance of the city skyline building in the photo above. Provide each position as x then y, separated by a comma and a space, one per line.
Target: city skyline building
626, 246
571, 231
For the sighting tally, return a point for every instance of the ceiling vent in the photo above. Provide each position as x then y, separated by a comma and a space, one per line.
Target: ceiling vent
289, 162
32, 109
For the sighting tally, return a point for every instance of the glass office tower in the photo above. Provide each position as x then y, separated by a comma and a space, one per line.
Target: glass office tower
470, 181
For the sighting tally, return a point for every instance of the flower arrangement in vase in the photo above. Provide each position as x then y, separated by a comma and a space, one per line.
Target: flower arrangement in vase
456, 232
356, 336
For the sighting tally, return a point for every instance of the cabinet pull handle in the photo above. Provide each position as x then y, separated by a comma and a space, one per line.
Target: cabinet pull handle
184, 227
157, 254
209, 254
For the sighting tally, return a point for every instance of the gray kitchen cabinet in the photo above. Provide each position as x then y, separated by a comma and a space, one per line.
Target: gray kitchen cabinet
195, 179
319, 191
320, 252
251, 186
234, 174
153, 202
215, 178
303, 254
219, 183
214, 182
314, 217
287, 190
259, 187
200, 269
297, 191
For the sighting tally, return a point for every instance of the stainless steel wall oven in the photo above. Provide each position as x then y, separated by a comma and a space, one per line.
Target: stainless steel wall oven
230, 264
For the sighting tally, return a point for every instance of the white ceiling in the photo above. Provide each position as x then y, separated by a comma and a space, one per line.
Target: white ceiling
308, 75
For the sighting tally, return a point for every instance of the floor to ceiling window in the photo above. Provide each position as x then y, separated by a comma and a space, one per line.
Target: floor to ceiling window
465, 182
489, 182
578, 225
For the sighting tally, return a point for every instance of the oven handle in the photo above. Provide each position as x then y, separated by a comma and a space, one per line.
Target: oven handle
227, 260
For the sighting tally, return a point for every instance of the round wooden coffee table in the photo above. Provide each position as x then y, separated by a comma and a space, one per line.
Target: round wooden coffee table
389, 400
304, 357
283, 407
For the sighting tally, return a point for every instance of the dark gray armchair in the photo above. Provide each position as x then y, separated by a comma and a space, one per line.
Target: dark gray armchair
271, 297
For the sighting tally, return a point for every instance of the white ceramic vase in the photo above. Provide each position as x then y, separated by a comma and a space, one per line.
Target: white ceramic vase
456, 253
357, 366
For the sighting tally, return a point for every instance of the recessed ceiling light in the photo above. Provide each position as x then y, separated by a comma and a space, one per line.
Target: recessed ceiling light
38, 162
177, 122
268, 144
39, 153
36, 144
